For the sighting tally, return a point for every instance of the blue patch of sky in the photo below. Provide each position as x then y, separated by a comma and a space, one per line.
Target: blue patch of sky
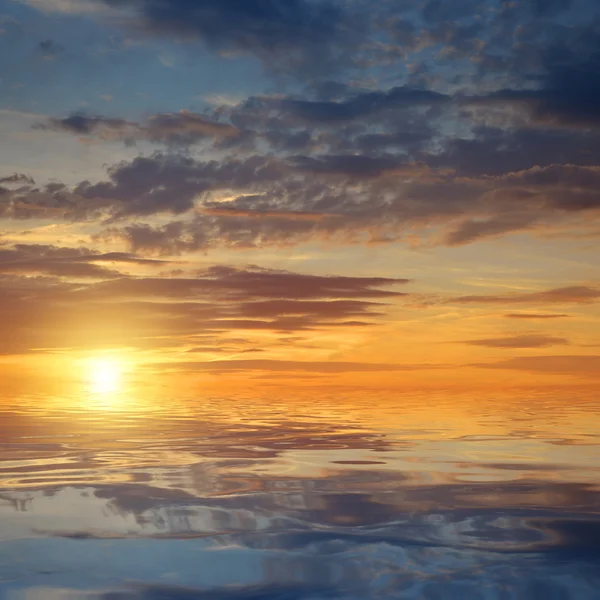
102, 70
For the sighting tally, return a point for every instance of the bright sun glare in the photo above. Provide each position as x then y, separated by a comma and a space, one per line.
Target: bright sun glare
104, 375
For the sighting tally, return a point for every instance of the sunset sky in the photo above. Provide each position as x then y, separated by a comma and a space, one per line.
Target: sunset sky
301, 192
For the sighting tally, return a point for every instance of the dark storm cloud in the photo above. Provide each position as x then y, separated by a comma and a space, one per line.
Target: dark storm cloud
520, 341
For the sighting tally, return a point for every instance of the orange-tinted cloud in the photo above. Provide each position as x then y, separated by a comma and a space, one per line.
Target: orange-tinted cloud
532, 340
535, 316
576, 294
583, 364
292, 366
155, 312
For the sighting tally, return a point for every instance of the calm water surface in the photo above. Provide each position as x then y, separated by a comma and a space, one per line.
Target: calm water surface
315, 495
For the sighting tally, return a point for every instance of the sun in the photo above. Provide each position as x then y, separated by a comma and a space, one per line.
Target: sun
104, 375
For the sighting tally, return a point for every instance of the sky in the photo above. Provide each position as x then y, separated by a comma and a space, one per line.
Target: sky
302, 192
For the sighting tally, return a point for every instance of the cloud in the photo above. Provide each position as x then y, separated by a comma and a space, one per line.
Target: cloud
569, 95
166, 183
49, 49
182, 128
498, 151
585, 365
472, 230
296, 34
534, 316
296, 591
341, 198
360, 105
64, 262
576, 294
254, 283
381, 197
517, 46
17, 178
349, 165
293, 366
158, 312
340, 119
520, 341
82, 124
488, 133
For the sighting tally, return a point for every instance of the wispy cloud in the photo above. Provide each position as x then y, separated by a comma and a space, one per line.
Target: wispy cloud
532, 340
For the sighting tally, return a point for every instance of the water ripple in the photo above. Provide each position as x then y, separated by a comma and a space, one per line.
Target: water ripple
248, 498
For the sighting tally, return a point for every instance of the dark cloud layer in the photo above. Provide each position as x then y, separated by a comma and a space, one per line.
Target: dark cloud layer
17, 178
472, 120
284, 35
347, 198
250, 592
182, 128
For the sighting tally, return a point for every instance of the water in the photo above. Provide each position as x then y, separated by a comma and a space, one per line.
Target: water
300, 495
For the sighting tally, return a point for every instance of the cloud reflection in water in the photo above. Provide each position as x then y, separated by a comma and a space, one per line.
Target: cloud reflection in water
319, 500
